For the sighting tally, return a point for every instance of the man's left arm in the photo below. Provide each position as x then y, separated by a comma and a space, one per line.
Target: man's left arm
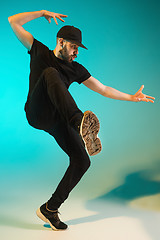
110, 92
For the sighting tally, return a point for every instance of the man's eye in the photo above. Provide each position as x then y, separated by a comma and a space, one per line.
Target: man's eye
73, 46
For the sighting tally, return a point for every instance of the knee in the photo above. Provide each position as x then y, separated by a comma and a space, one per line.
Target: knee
51, 77
82, 162
86, 164
50, 72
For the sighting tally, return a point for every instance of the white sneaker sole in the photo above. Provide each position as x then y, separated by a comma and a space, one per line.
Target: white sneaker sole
43, 218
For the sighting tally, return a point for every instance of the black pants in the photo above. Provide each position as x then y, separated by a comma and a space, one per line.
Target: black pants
50, 107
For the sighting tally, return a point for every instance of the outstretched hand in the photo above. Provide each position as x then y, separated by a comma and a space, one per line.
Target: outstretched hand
139, 96
48, 15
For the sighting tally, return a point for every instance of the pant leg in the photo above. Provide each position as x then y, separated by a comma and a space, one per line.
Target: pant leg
51, 107
79, 162
50, 96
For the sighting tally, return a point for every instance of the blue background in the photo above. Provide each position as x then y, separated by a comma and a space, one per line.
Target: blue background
123, 52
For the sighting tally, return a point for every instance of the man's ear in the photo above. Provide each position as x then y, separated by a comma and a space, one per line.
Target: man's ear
61, 42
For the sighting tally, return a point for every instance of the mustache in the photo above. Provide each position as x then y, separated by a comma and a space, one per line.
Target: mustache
75, 56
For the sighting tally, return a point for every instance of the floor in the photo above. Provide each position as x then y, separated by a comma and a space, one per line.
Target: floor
87, 220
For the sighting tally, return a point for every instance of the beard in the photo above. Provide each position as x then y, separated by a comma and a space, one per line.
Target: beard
65, 55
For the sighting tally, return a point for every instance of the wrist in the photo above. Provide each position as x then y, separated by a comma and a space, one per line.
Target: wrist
43, 12
131, 98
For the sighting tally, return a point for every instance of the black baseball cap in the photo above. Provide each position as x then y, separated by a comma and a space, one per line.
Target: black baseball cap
71, 33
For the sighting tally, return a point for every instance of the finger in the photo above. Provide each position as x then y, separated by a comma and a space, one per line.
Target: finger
150, 101
49, 19
62, 15
60, 18
55, 20
150, 97
147, 100
141, 88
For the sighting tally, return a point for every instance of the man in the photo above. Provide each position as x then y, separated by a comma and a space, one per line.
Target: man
50, 106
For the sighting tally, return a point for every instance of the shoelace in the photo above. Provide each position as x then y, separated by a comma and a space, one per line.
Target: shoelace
54, 212
56, 216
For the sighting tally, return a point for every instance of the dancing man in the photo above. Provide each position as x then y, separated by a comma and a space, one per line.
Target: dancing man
50, 106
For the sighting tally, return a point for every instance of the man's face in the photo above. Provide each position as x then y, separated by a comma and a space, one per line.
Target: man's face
69, 51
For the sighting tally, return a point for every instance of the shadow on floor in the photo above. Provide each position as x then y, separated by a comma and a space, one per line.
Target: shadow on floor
19, 223
111, 204
136, 185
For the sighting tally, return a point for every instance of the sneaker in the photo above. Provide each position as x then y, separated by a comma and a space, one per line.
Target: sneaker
51, 217
89, 129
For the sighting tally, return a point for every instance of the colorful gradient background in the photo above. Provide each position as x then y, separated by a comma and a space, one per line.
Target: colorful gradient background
123, 52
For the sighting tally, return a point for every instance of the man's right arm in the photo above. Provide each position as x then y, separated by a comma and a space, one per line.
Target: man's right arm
16, 22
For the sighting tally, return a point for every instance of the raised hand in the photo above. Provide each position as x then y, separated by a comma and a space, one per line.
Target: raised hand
48, 15
139, 96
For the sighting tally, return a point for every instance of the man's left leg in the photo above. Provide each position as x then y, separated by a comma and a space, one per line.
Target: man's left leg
70, 141
49, 96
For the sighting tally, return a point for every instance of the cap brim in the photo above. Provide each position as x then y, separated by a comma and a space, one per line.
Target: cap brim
78, 43
81, 45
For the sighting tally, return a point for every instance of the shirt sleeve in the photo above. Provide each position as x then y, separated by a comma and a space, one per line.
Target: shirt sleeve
37, 48
82, 73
